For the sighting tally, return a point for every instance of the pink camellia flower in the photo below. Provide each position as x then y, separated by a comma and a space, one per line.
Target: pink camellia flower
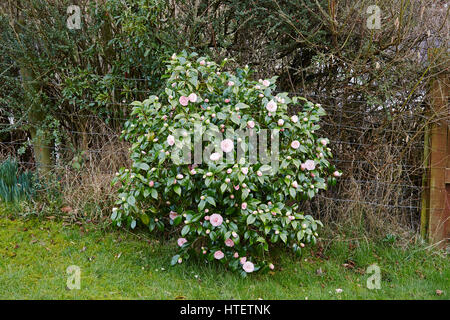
257, 87
215, 156
181, 241
202, 63
170, 140
216, 219
236, 255
227, 145
173, 215
295, 184
303, 167
323, 142
251, 124
244, 170
193, 171
151, 184
206, 100
259, 173
291, 218
266, 83
218, 255
236, 187
310, 165
192, 97
280, 122
179, 176
243, 260
271, 106
248, 267
232, 196
294, 119
271, 266
244, 205
230, 83
229, 242
295, 144
227, 100
207, 218
234, 234
337, 174
184, 101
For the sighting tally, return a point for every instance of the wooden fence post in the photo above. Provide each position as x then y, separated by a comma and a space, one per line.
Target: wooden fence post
436, 199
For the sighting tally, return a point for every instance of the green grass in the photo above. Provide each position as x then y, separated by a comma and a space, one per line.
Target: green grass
34, 255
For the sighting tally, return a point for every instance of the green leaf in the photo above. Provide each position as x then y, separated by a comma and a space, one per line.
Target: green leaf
185, 230
177, 189
292, 192
174, 260
131, 201
241, 105
177, 220
211, 201
235, 119
250, 219
142, 165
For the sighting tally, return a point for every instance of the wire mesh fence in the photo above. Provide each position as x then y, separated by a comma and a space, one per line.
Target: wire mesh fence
377, 145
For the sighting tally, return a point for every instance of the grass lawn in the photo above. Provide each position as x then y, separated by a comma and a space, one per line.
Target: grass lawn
34, 255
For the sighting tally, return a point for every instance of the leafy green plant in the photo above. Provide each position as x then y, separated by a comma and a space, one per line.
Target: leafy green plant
230, 211
15, 185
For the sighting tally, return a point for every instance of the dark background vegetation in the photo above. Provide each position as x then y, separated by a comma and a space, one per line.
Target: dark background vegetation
64, 94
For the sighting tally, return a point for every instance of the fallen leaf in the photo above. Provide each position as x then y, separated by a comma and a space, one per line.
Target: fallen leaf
180, 298
66, 209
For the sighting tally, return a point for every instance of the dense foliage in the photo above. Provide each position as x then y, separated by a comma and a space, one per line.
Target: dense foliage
229, 210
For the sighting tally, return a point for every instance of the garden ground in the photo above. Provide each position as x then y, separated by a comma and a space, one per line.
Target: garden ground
117, 264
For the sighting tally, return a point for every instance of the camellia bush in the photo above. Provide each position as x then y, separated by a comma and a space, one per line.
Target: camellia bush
233, 211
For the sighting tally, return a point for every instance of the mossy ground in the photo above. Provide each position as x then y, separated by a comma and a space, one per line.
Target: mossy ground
116, 264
